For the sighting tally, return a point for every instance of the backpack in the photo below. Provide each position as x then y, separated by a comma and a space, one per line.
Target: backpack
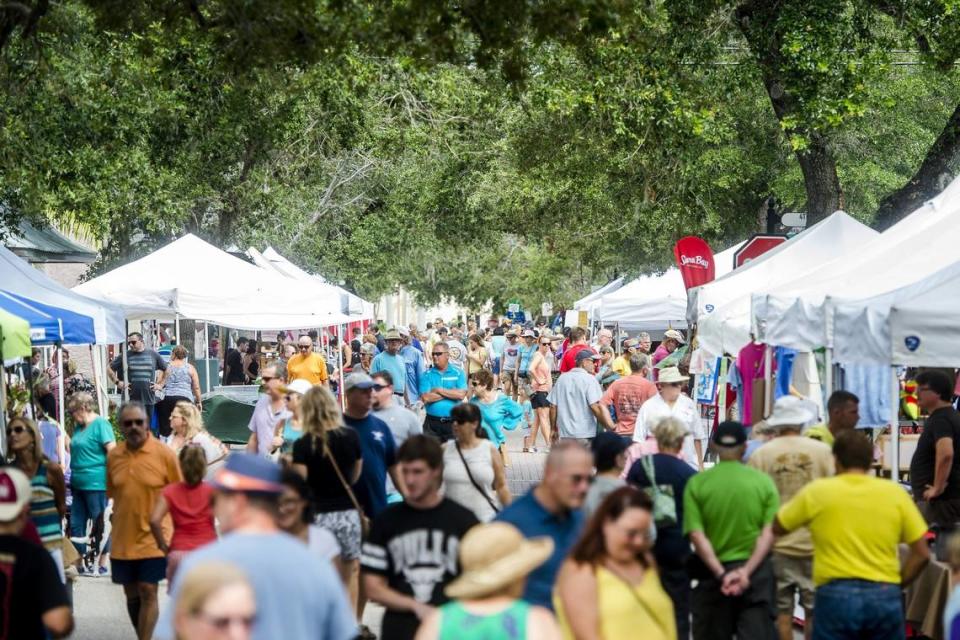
664, 505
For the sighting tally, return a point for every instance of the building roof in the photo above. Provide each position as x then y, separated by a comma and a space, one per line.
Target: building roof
46, 244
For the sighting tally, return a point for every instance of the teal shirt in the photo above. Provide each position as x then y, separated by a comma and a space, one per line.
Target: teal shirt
395, 365
456, 623
88, 458
452, 378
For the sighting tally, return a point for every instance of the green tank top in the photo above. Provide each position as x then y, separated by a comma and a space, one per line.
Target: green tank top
456, 623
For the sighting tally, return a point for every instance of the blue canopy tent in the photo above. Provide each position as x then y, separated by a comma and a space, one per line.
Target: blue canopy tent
49, 325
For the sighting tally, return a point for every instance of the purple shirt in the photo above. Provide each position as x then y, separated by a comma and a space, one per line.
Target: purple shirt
263, 422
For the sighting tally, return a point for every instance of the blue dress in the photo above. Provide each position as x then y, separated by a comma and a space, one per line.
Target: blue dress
502, 413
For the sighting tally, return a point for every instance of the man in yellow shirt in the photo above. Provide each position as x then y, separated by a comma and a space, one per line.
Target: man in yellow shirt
857, 522
843, 412
621, 363
307, 365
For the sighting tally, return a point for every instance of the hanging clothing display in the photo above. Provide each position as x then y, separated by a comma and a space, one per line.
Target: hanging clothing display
784, 358
750, 367
870, 383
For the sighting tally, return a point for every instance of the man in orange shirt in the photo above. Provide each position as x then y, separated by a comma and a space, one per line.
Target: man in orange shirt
137, 471
628, 394
307, 365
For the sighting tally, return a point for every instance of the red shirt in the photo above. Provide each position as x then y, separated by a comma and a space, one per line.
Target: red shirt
568, 361
192, 512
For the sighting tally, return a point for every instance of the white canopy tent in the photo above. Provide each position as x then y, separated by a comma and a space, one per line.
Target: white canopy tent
654, 302
351, 304
798, 313
190, 278
19, 277
590, 301
721, 309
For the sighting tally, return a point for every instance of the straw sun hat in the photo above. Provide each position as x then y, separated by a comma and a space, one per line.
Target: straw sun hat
494, 556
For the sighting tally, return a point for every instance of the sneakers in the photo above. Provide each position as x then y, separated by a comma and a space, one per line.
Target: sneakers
103, 572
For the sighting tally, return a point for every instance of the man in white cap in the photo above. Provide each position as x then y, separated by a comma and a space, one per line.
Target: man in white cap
792, 461
671, 340
392, 362
35, 602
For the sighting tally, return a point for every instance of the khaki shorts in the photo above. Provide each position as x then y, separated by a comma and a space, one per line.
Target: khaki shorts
793, 573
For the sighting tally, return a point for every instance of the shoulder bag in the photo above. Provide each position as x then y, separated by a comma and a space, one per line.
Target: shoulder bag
664, 506
364, 520
473, 481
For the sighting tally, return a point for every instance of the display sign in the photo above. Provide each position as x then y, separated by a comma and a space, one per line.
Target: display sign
695, 261
546, 309
513, 312
756, 247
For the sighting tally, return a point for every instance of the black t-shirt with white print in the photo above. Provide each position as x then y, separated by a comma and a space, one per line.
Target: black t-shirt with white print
417, 551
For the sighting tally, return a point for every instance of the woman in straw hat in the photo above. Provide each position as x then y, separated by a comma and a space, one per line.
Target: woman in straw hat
495, 560
609, 587
672, 402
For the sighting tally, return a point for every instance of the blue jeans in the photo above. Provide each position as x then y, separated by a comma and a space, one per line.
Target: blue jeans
87, 506
858, 610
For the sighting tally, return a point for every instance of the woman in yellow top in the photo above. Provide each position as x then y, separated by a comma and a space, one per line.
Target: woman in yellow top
610, 579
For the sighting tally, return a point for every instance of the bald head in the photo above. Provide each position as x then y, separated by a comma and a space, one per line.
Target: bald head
566, 477
565, 450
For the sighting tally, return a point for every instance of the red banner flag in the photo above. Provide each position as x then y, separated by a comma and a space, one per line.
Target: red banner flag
695, 261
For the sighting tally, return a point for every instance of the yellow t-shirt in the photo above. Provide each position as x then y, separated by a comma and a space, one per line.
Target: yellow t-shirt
621, 364
621, 616
793, 462
311, 367
856, 522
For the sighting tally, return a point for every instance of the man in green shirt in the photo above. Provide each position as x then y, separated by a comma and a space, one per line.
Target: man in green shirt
728, 513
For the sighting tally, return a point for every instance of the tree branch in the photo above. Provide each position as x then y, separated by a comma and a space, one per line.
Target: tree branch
927, 181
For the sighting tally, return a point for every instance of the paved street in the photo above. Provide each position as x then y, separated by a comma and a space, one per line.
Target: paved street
100, 610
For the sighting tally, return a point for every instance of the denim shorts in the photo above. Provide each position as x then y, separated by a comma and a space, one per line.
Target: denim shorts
858, 609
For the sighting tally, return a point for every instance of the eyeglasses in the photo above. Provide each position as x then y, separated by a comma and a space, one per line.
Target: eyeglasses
437, 354
132, 343
579, 478
266, 378
379, 387
291, 396
222, 623
289, 503
136, 422
544, 344
16, 429
303, 346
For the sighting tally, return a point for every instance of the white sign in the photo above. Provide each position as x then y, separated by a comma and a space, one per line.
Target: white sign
546, 309
794, 220
513, 307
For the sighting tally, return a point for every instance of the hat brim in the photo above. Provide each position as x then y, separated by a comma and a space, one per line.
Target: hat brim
529, 555
798, 420
362, 385
671, 380
227, 480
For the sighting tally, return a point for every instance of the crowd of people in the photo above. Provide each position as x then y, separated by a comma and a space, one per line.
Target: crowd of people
401, 498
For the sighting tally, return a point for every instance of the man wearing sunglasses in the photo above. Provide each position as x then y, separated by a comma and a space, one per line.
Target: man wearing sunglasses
137, 471
307, 365
441, 388
142, 367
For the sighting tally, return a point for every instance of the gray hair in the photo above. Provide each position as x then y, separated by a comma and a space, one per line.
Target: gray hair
639, 362
670, 433
558, 453
279, 367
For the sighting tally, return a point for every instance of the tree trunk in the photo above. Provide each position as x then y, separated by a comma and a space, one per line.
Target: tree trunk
929, 179
819, 167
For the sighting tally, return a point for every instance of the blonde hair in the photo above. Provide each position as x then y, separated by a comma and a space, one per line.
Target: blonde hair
81, 402
202, 581
319, 413
191, 415
71, 367
669, 433
37, 440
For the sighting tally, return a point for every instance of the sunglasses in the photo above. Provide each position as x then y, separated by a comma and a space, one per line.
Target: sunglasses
222, 623
304, 346
579, 478
379, 387
437, 354
544, 344
266, 378
16, 429
137, 422
132, 344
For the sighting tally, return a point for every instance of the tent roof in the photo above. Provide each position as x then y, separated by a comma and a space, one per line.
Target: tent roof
352, 304
655, 302
20, 278
722, 308
795, 313
49, 325
196, 280
46, 244
591, 299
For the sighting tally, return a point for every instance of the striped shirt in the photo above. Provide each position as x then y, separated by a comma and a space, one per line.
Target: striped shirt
43, 509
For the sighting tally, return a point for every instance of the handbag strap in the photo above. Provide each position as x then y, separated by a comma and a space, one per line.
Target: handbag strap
343, 481
648, 468
473, 481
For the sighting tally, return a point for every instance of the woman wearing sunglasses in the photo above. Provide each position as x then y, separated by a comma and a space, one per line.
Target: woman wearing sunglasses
48, 503
216, 602
290, 429
473, 473
92, 439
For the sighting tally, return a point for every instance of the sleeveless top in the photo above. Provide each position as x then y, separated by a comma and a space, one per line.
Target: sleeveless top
290, 435
456, 623
179, 383
620, 610
43, 509
456, 482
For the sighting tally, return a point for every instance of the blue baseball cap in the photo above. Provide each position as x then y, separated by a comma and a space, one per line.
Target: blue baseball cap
248, 473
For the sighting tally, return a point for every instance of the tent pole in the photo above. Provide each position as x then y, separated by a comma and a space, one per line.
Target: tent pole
206, 352
828, 372
768, 377
61, 408
176, 328
96, 380
343, 397
126, 374
894, 425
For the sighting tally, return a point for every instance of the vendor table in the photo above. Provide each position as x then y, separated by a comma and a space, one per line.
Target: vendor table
926, 599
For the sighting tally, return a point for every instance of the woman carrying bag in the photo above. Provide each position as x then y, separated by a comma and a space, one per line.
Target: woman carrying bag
473, 473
